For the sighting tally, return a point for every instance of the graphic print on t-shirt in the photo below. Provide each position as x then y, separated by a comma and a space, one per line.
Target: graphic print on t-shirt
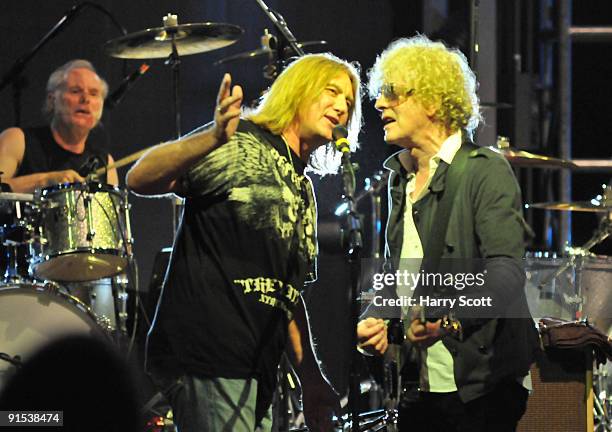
268, 195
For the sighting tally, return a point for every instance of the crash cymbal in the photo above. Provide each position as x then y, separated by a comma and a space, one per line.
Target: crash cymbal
522, 158
578, 206
189, 38
11, 196
264, 52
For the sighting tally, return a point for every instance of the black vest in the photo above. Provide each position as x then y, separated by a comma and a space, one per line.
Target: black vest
43, 154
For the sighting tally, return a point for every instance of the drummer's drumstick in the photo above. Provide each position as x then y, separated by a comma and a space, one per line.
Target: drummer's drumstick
121, 162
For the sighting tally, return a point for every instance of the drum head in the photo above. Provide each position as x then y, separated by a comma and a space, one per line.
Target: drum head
32, 317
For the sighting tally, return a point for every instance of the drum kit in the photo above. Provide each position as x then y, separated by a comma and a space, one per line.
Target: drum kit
62, 249
66, 251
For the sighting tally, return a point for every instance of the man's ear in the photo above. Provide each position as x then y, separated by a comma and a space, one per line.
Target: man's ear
50, 101
432, 109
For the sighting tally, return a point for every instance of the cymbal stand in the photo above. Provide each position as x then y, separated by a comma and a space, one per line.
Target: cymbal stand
174, 61
281, 25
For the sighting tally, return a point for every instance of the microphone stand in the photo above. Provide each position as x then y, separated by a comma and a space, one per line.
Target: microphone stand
281, 25
353, 253
14, 75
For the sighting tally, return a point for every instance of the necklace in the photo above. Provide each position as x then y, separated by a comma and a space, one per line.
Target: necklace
288, 149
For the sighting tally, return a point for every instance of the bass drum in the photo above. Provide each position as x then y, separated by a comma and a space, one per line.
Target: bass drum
32, 316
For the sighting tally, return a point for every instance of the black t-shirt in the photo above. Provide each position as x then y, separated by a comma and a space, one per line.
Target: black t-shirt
43, 154
245, 247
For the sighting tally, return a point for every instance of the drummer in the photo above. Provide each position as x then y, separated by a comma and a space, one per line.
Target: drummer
70, 146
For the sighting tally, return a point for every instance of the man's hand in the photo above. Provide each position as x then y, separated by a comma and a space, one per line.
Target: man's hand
66, 176
424, 334
227, 111
372, 336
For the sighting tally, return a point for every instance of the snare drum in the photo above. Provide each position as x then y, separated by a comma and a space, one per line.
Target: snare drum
32, 316
86, 233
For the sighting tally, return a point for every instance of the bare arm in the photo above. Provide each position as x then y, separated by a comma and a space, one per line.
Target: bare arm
12, 149
158, 170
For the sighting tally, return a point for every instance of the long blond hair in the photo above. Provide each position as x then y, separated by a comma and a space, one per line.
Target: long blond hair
299, 85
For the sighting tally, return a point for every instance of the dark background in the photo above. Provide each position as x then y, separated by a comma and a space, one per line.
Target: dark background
355, 30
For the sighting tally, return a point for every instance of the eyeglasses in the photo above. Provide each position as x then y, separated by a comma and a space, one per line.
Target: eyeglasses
395, 94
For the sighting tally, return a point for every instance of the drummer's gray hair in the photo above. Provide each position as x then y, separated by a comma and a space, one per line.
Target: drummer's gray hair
58, 78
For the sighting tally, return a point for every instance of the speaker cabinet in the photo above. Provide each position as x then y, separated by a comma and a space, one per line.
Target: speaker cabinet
562, 396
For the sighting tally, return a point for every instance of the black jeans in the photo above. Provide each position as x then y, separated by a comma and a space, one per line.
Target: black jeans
498, 411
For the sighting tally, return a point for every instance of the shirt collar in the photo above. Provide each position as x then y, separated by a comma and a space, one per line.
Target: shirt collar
447, 152
449, 148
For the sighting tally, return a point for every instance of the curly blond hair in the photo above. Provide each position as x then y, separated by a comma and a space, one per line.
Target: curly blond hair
440, 76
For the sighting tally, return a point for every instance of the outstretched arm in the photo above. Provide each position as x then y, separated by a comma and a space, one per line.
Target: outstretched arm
158, 170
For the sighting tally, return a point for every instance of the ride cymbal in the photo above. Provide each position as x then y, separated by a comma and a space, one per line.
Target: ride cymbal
578, 206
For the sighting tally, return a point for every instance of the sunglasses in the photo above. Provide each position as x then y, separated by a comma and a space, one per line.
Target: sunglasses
395, 94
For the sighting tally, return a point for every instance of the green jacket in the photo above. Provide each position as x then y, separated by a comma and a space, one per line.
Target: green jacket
485, 222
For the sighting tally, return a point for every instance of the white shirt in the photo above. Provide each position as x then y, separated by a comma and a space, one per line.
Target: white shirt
436, 361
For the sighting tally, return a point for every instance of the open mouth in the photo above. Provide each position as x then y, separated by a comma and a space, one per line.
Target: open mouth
332, 120
387, 120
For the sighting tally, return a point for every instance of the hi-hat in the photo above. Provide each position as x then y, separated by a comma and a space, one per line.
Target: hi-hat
578, 206
264, 52
189, 39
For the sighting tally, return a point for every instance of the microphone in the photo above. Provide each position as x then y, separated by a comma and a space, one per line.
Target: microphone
339, 134
126, 84
90, 166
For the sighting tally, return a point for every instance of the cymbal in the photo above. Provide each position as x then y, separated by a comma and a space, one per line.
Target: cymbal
522, 158
578, 206
496, 105
11, 196
264, 52
189, 38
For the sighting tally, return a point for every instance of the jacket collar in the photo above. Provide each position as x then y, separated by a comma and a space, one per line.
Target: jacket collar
400, 163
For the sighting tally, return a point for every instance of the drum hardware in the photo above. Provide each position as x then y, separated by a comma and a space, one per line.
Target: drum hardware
376, 420
121, 297
19, 218
276, 58
603, 398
